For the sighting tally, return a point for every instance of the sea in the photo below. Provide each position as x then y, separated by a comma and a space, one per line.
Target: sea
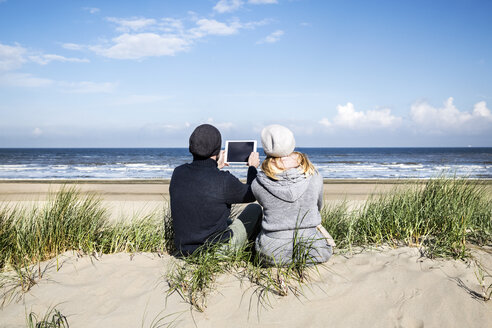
159, 163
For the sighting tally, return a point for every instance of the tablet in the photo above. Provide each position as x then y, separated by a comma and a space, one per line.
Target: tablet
238, 151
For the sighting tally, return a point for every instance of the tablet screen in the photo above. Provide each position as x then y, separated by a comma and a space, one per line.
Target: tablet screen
239, 151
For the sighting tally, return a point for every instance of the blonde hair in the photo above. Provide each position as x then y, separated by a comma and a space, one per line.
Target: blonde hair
271, 166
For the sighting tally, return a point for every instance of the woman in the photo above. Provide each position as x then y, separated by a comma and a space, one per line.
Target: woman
291, 192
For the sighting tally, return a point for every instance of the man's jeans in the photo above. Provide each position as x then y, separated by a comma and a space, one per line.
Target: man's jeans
246, 226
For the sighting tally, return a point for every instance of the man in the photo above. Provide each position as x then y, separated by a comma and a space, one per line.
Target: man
202, 195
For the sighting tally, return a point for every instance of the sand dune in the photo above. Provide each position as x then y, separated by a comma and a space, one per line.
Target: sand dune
378, 288
381, 288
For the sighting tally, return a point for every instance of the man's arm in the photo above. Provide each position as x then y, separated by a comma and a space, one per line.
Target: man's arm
238, 192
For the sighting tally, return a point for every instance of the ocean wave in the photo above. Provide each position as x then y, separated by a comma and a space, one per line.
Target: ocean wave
159, 163
135, 164
60, 167
85, 168
405, 166
17, 168
340, 162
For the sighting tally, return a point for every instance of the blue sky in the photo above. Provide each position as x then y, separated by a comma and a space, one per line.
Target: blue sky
338, 73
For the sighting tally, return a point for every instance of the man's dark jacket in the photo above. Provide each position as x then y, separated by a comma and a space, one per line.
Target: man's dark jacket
201, 198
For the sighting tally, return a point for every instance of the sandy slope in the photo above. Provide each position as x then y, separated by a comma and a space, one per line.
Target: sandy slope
388, 288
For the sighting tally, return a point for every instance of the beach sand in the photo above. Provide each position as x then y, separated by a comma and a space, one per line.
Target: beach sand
378, 288
128, 199
382, 287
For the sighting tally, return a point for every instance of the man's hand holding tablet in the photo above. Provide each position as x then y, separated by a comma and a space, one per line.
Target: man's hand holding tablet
239, 152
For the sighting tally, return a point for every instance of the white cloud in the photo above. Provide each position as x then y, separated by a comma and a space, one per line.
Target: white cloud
272, 38
37, 132
480, 110
220, 125
92, 10
72, 46
326, 122
449, 118
131, 24
348, 117
135, 46
227, 6
262, 2
11, 57
165, 37
87, 87
171, 25
45, 59
142, 37
252, 25
423, 119
24, 80
213, 27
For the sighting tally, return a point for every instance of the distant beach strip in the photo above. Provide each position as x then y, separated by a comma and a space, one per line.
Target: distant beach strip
159, 163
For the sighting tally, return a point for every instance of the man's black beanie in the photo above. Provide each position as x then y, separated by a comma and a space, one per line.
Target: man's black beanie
205, 141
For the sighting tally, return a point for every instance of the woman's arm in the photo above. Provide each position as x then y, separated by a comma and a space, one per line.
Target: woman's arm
321, 194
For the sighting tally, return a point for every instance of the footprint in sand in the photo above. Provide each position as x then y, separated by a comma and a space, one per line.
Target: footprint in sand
107, 307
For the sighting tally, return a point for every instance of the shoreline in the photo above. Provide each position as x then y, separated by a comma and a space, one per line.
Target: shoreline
486, 181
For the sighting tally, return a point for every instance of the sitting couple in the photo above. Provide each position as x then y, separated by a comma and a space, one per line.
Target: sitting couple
289, 189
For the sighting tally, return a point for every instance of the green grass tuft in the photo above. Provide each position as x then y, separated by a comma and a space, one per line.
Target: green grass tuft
53, 318
194, 276
69, 221
442, 217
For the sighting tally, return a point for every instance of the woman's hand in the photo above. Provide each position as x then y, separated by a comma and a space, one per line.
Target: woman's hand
254, 159
220, 162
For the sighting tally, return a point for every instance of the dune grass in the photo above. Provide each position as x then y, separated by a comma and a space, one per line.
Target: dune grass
481, 274
69, 221
193, 277
53, 318
442, 217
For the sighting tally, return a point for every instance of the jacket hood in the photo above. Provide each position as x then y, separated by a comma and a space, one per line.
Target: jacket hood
290, 186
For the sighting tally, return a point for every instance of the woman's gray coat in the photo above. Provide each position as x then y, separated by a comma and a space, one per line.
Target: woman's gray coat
291, 207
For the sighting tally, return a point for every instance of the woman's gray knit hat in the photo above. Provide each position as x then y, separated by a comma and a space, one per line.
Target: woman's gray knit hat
277, 141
